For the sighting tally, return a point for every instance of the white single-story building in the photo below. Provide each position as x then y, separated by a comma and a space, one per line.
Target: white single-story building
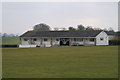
63, 38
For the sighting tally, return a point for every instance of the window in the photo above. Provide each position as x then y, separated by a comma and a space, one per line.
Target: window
101, 39
57, 39
25, 39
45, 39
34, 39
78, 39
92, 39
75, 39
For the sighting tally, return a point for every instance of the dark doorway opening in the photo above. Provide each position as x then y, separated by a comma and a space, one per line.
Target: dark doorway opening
64, 41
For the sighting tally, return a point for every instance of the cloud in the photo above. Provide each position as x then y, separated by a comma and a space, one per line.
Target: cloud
60, 0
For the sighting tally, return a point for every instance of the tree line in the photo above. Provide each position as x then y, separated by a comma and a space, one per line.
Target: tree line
8, 35
45, 27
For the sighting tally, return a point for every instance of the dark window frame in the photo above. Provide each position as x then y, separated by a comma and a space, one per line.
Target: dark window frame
45, 39
25, 39
57, 39
34, 39
101, 39
78, 39
92, 39
75, 39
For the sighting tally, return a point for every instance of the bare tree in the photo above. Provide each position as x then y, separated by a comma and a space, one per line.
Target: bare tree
97, 29
56, 29
4, 35
63, 29
105, 29
110, 29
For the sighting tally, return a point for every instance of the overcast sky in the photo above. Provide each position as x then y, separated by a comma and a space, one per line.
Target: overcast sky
18, 17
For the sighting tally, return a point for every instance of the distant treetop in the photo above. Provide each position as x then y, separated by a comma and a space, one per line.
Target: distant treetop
41, 27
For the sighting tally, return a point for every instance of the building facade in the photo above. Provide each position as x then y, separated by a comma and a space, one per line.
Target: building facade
62, 38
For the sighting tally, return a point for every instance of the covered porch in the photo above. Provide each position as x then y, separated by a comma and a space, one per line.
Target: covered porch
44, 42
83, 41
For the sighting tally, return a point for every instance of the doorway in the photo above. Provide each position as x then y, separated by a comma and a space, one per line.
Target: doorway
64, 41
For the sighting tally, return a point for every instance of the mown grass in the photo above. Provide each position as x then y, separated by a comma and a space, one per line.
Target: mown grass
10, 40
61, 62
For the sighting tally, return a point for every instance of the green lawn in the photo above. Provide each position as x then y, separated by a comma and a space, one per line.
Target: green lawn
10, 40
61, 62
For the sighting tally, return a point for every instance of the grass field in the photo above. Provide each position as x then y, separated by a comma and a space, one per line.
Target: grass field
10, 40
61, 62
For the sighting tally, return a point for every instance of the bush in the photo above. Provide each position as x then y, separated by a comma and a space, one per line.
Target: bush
114, 42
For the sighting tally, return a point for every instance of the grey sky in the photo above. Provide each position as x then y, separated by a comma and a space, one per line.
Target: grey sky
19, 17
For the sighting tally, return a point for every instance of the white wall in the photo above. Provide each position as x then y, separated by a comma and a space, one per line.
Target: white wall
24, 42
54, 42
86, 41
37, 42
26, 46
77, 42
104, 41
46, 43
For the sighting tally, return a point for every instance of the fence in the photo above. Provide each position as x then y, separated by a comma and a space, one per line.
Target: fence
8, 46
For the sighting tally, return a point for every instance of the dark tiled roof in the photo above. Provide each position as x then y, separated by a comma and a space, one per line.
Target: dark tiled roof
61, 33
110, 32
117, 33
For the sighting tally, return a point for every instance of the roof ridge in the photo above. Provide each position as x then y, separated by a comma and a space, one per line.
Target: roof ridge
61, 30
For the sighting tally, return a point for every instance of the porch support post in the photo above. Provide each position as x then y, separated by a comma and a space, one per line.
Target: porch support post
95, 41
20, 41
69, 41
83, 41
41, 41
29, 41
51, 42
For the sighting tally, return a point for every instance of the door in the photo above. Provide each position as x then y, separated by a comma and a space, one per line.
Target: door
64, 41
